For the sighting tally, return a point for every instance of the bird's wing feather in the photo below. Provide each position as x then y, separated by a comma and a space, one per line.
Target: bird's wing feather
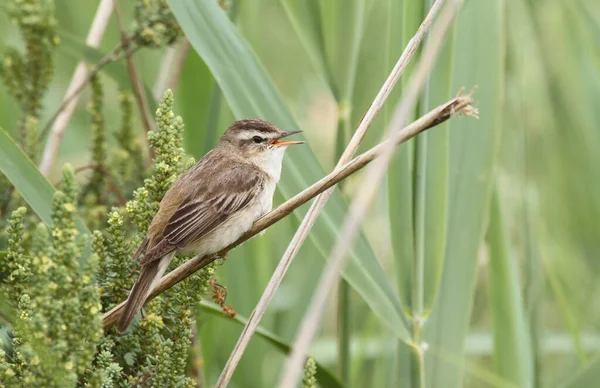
207, 208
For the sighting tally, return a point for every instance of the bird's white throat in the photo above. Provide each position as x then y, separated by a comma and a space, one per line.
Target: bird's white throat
270, 161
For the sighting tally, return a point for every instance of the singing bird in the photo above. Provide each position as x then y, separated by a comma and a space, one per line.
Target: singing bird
212, 204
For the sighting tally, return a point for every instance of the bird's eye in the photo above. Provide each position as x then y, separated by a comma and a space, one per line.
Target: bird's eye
257, 139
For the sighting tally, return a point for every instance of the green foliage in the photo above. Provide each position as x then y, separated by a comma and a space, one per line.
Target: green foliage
96, 186
155, 25
155, 352
27, 75
167, 164
126, 158
57, 339
58, 323
325, 60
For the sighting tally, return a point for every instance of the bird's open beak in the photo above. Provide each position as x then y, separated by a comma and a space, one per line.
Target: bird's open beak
279, 143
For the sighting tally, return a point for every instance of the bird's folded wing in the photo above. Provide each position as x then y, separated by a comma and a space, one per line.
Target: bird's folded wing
209, 207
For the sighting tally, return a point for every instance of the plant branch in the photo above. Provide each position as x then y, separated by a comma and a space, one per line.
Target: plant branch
63, 116
364, 197
320, 203
431, 119
136, 81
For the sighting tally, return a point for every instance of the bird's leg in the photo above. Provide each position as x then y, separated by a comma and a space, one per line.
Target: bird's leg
219, 296
219, 292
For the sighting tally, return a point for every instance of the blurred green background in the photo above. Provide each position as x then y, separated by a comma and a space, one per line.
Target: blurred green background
501, 212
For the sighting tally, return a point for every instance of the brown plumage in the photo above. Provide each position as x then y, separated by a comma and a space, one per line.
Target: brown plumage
212, 204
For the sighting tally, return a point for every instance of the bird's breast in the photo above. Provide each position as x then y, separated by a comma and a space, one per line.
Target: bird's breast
236, 225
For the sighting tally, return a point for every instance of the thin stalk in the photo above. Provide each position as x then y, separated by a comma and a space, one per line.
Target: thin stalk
418, 276
417, 354
344, 312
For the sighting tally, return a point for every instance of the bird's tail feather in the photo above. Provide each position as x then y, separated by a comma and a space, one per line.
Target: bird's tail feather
150, 275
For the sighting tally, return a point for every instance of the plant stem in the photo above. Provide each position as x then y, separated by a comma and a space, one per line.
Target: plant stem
417, 354
344, 308
418, 275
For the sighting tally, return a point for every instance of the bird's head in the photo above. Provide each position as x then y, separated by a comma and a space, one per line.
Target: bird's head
258, 139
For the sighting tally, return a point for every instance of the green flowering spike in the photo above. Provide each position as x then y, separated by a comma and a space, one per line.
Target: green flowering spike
69, 185
141, 209
167, 165
126, 159
7, 373
126, 136
310, 370
31, 141
12, 71
117, 265
17, 264
97, 184
155, 25
28, 75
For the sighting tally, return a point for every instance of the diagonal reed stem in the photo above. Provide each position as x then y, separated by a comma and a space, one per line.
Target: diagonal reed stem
434, 117
363, 199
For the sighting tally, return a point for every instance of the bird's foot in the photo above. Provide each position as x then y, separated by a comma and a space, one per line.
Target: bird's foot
220, 296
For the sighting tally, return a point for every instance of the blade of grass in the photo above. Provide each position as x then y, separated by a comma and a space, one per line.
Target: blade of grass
512, 347
342, 24
194, 97
28, 181
430, 196
305, 18
481, 44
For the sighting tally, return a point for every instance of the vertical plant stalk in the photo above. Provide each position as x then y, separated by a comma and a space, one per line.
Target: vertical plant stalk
79, 78
320, 202
418, 283
136, 82
364, 197
344, 312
